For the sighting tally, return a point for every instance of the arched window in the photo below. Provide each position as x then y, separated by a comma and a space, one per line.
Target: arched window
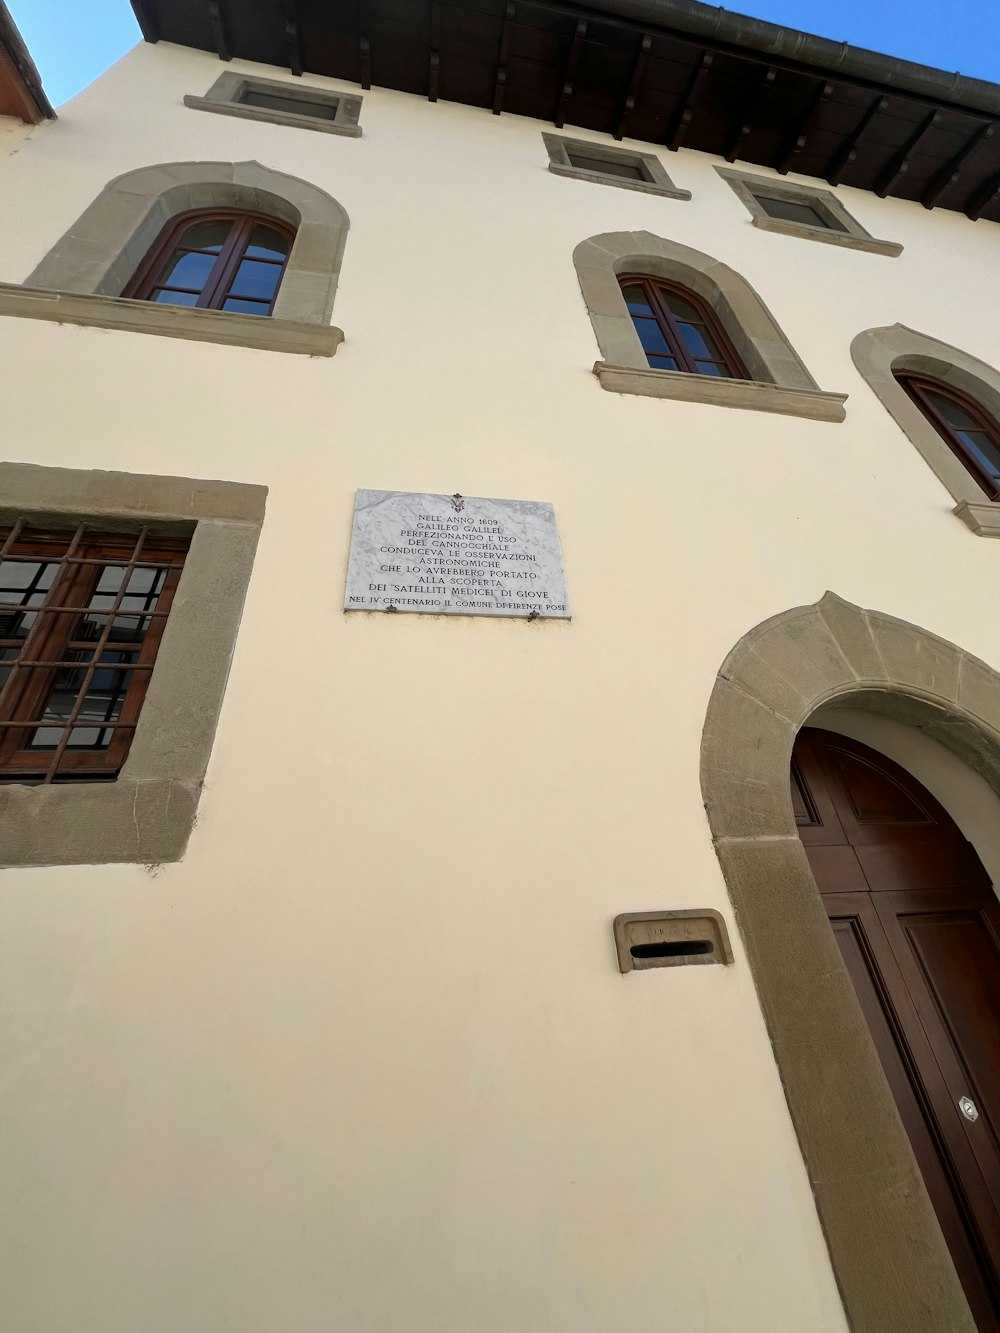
222, 259
677, 330
968, 430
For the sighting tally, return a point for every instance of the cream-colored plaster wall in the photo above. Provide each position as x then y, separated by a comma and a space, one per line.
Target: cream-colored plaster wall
13, 133
363, 1060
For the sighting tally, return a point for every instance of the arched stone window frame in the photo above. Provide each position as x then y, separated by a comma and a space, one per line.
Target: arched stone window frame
781, 383
879, 354
890, 1259
81, 278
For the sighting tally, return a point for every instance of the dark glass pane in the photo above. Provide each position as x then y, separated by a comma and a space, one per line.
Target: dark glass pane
143, 588
699, 342
662, 362
164, 297
208, 236
710, 368
187, 270
266, 243
101, 703
256, 280
791, 211
626, 170
247, 307
289, 104
680, 308
651, 337
983, 450
23, 583
635, 299
953, 413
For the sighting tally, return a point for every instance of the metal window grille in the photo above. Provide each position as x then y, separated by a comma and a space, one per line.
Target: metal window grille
81, 618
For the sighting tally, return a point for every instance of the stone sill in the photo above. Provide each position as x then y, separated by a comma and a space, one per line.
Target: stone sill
750, 394
622, 182
831, 237
272, 117
213, 326
983, 519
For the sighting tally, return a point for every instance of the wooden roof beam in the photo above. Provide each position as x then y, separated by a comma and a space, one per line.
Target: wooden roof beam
900, 164
365, 44
293, 40
217, 21
982, 199
641, 56
146, 20
500, 83
848, 150
572, 60
820, 98
949, 174
745, 127
678, 127
434, 63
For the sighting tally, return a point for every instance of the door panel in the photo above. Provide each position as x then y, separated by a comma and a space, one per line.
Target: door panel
918, 926
868, 958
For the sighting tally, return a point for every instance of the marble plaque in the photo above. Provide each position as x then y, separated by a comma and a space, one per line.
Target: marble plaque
458, 555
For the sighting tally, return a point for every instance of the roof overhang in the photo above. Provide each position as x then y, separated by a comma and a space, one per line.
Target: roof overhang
21, 93
668, 72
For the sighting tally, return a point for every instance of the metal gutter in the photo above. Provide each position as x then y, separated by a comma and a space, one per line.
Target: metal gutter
854, 62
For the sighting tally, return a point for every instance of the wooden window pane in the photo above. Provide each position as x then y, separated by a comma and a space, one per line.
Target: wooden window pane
266, 243
699, 342
207, 236
636, 300
202, 259
256, 279
246, 307
187, 269
166, 297
678, 331
970, 432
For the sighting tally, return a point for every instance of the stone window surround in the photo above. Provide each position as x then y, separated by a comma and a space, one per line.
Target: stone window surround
890, 1259
657, 181
877, 353
854, 236
227, 90
146, 815
90, 265
781, 383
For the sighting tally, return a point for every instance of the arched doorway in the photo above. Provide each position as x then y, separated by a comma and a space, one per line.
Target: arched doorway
888, 1253
918, 926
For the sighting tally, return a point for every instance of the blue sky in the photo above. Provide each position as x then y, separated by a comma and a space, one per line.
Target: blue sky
73, 41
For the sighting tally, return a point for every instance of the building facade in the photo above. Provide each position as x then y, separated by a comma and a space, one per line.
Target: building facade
313, 1015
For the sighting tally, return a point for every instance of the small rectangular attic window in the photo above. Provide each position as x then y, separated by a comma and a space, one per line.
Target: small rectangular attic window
289, 106
792, 211
627, 170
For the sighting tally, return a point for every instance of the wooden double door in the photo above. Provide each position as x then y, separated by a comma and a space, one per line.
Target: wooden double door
918, 925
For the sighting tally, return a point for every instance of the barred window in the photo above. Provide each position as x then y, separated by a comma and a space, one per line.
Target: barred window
81, 617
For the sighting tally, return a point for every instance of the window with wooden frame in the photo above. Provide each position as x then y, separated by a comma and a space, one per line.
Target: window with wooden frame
677, 329
219, 259
969, 431
81, 618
